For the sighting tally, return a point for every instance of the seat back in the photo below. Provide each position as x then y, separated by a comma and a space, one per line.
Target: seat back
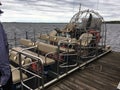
43, 37
53, 33
14, 57
26, 42
16, 75
46, 47
85, 39
52, 38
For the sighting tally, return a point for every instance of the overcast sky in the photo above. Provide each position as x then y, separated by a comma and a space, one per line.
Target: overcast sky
55, 10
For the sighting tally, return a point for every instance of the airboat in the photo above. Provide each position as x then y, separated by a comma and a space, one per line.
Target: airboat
36, 64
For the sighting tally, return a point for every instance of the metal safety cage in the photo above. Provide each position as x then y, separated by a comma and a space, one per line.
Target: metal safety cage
91, 22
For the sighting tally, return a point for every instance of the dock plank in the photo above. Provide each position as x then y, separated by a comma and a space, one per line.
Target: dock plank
102, 74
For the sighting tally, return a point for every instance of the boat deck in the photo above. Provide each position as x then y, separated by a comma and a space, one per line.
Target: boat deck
102, 74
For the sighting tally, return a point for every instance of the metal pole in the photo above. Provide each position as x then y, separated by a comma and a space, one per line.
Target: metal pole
34, 35
21, 78
15, 39
26, 35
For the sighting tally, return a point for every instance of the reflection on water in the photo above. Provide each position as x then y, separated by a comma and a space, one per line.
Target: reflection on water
113, 33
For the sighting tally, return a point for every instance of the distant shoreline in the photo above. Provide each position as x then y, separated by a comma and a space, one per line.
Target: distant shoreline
112, 22
107, 22
37, 22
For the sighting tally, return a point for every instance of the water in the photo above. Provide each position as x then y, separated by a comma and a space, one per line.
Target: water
113, 36
113, 31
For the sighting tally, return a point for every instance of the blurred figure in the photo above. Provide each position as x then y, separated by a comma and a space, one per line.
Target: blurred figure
5, 71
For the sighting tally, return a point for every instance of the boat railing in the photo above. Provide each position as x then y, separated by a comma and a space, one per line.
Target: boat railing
67, 54
39, 74
14, 40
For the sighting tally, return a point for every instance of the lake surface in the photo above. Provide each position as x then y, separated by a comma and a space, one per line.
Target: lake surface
113, 31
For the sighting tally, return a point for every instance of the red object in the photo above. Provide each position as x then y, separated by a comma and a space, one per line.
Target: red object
34, 67
96, 34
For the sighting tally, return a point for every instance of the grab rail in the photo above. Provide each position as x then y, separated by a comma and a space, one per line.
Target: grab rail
21, 67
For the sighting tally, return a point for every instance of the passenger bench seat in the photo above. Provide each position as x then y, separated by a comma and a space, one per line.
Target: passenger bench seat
16, 75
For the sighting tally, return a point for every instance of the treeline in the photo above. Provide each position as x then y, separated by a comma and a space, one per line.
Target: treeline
113, 22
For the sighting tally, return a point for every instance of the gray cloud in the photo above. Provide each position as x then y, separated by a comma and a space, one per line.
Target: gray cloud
109, 9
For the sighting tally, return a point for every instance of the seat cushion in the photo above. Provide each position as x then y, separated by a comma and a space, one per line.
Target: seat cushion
47, 48
16, 75
26, 42
85, 39
47, 61
14, 57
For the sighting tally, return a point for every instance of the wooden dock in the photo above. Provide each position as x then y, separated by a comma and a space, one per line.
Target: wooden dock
102, 74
